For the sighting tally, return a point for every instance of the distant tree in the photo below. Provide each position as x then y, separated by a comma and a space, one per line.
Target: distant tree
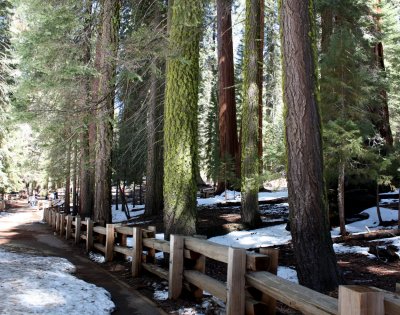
180, 138
250, 124
316, 261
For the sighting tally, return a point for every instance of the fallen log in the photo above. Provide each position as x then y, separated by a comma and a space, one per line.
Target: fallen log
368, 235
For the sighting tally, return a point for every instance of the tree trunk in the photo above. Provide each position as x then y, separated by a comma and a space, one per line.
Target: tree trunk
381, 119
88, 134
250, 160
67, 198
342, 218
106, 52
75, 180
378, 209
326, 27
180, 137
398, 215
228, 138
260, 83
154, 201
316, 261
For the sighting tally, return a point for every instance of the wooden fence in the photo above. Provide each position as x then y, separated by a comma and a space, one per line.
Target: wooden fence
252, 286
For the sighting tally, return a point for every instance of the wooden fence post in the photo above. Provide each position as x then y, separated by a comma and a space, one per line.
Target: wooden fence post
175, 277
110, 238
57, 221
236, 281
137, 251
68, 228
199, 265
62, 224
360, 300
151, 252
273, 254
77, 229
89, 234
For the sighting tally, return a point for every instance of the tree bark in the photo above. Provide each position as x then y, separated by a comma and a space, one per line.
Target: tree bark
75, 180
180, 130
260, 83
106, 52
87, 136
250, 159
342, 218
381, 119
228, 138
154, 200
67, 198
316, 261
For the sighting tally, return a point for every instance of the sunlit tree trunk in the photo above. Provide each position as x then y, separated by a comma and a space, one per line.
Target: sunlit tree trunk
250, 160
180, 130
316, 261
106, 51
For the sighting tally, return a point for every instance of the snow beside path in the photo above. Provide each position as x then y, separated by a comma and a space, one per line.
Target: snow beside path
44, 285
268, 236
236, 196
277, 235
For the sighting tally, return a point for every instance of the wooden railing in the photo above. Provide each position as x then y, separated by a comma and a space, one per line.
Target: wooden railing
252, 286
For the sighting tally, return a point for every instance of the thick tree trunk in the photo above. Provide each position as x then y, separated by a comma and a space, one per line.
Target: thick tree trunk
155, 127
106, 51
316, 261
250, 160
67, 198
228, 138
181, 105
342, 218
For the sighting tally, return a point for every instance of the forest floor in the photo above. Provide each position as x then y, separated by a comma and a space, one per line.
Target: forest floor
357, 265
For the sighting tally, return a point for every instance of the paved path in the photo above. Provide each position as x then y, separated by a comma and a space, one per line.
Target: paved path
24, 232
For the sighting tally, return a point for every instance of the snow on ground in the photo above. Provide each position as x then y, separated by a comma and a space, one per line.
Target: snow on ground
268, 236
44, 285
392, 241
288, 274
235, 196
119, 215
372, 223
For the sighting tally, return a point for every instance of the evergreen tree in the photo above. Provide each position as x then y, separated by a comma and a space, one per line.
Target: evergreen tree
181, 155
